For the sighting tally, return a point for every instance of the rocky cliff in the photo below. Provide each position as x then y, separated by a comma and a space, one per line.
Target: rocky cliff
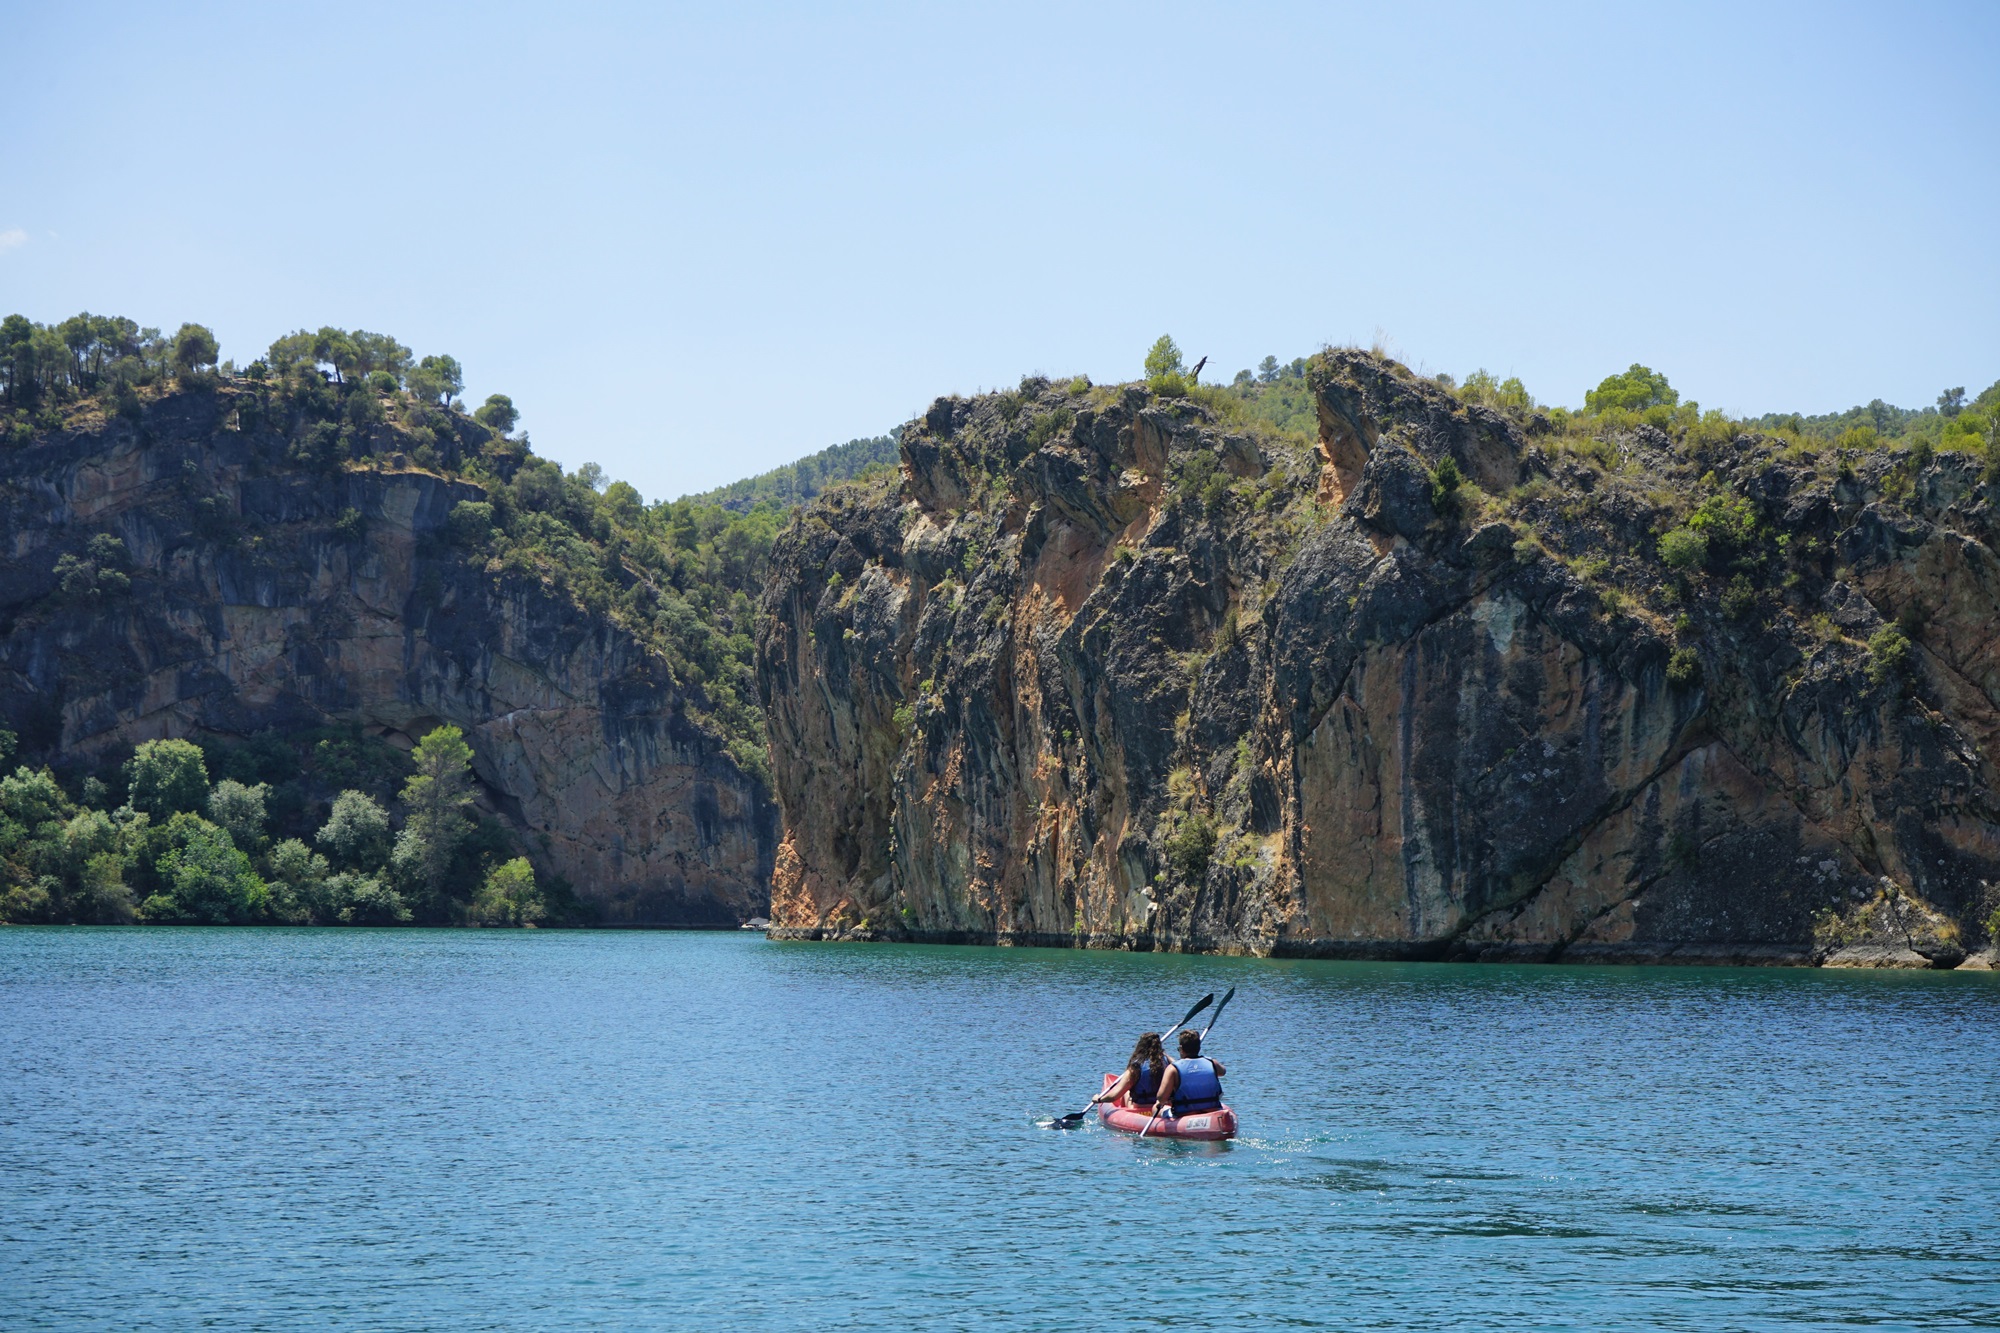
1110, 668
267, 592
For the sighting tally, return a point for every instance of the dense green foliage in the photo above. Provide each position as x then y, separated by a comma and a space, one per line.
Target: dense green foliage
1277, 398
162, 843
785, 488
510, 896
1637, 390
1952, 423
45, 363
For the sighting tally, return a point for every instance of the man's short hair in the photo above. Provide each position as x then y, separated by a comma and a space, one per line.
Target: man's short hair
1190, 1043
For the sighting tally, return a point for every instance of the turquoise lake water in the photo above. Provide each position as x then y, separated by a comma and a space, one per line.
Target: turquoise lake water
446, 1130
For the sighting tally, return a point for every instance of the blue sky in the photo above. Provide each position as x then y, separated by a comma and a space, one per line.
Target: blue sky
696, 242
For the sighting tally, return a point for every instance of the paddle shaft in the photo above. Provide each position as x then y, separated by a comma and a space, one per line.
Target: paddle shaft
1217, 1015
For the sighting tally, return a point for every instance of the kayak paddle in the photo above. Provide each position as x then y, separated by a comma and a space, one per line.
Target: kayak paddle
1204, 1036
1200, 1005
1074, 1118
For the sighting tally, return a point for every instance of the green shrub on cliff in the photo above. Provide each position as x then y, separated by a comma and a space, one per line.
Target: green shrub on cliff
1888, 654
1739, 598
1684, 548
1190, 845
97, 574
1728, 521
1445, 481
1048, 425
471, 523
498, 413
1164, 359
195, 350
1483, 388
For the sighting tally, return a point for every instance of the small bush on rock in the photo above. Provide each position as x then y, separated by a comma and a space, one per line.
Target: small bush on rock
1888, 654
1445, 481
1190, 846
1684, 549
1739, 599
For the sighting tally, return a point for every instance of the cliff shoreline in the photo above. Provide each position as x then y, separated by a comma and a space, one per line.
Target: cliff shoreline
1389, 951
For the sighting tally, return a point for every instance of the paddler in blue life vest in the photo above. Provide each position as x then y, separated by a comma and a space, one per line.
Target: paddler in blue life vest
1141, 1078
1193, 1083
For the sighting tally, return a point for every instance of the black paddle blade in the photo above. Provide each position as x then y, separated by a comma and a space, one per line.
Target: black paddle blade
1199, 1005
1070, 1121
1212, 1018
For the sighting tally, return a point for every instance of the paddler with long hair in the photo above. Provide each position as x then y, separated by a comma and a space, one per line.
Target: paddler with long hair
1141, 1079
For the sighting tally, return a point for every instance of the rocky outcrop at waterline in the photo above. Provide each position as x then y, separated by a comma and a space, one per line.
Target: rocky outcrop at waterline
1110, 668
269, 576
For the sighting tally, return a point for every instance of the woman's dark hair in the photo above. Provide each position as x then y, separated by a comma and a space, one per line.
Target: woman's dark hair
1148, 1051
1190, 1044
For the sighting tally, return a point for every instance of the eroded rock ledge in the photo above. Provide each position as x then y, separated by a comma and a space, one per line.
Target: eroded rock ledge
1108, 670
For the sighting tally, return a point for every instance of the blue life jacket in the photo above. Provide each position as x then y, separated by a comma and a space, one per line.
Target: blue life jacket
1145, 1089
1200, 1090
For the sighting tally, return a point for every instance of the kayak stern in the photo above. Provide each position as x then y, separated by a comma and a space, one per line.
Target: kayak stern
1204, 1125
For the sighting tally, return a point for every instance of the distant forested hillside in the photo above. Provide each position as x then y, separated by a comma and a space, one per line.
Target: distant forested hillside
795, 483
1880, 421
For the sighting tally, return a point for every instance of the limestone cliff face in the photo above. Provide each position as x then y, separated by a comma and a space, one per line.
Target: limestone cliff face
264, 596
1103, 669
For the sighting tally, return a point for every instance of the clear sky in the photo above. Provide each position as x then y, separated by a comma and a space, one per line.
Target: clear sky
696, 242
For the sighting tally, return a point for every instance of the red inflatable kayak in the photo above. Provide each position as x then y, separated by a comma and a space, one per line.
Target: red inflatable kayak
1218, 1124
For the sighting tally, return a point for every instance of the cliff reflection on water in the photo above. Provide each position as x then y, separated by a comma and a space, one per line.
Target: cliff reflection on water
457, 1130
